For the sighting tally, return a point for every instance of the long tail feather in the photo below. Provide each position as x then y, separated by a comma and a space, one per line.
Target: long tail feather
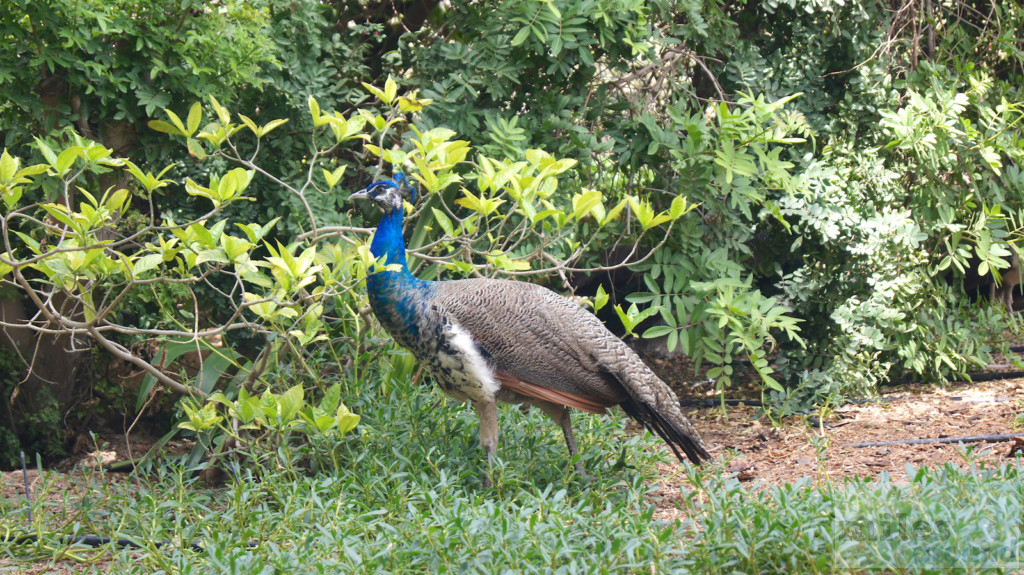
680, 439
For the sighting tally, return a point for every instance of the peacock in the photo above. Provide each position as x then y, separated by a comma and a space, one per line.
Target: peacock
487, 340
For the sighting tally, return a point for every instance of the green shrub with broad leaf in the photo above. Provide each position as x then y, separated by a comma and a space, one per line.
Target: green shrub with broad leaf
95, 252
855, 170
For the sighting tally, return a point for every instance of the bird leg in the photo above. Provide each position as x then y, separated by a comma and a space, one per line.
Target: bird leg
487, 411
563, 417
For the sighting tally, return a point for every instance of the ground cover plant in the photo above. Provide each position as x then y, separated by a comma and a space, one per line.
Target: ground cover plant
407, 498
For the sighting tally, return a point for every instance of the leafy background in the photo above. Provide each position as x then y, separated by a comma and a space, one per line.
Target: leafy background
855, 168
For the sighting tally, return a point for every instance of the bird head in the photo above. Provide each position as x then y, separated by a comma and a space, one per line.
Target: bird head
387, 194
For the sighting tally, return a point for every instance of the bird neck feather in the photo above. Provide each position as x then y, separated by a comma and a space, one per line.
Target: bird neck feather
388, 241
396, 296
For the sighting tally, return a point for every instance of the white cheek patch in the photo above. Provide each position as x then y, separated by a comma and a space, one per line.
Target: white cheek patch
477, 368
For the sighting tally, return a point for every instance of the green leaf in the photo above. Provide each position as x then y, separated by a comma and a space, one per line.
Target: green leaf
177, 122
521, 36
334, 177
67, 158
583, 204
194, 189
314, 109
408, 104
290, 403
195, 149
556, 45
59, 213
269, 126
345, 419
116, 201
332, 398
772, 383
48, 153
992, 158
29, 241
216, 255
376, 92
484, 205
195, 116
269, 404
146, 263
390, 90
443, 220
250, 124
613, 214
8, 167
222, 112
255, 232
234, 247
323, 422
202, 235
658, 331
627, 321
162, 126
673, 340
503, 262
600, 298
679, 207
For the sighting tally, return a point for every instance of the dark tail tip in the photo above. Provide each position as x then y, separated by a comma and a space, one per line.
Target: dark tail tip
676, 435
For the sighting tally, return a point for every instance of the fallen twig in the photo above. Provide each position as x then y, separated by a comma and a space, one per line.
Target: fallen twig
965, 439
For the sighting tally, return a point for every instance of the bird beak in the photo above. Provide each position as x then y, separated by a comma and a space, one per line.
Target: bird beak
360, 195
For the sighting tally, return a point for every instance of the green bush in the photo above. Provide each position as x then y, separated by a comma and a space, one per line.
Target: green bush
297, 297
856, 168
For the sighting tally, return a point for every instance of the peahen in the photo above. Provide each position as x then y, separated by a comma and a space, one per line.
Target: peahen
485, 340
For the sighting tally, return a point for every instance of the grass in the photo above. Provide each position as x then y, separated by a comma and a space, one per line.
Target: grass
407, 498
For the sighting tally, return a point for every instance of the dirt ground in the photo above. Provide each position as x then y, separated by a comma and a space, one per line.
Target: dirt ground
912, 412
758, 452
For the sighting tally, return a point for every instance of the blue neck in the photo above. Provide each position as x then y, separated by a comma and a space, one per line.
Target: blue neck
387, 240
398, 298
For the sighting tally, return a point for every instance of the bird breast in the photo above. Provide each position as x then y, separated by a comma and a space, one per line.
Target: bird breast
457, 365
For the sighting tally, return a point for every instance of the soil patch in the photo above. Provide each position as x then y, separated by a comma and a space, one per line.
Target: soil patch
760, 453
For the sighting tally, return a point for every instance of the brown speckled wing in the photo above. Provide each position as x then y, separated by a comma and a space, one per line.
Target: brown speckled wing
555, 350
532, 334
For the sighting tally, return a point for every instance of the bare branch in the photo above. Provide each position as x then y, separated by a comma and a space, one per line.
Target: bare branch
123, 353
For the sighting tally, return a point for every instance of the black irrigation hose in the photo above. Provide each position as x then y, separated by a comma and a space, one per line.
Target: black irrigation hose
759, 403
859, 401
964, 439
717, 402
994, 375
982, 399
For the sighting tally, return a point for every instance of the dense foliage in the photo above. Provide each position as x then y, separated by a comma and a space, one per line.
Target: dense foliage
856, 166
